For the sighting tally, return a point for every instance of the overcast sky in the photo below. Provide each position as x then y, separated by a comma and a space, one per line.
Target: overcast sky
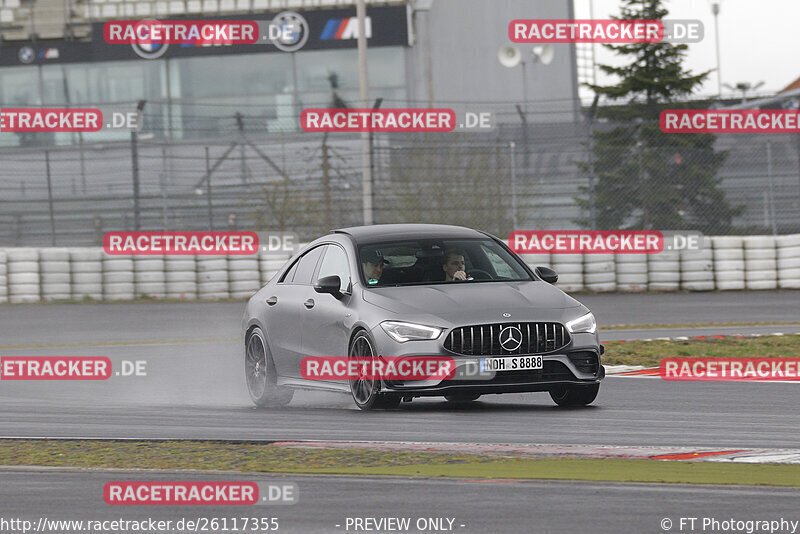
759, 40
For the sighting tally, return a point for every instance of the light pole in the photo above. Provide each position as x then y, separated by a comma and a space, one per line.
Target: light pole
135, 163
715, 11
363, 91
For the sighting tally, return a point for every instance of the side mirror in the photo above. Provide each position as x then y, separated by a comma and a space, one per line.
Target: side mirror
547, 274
329, 284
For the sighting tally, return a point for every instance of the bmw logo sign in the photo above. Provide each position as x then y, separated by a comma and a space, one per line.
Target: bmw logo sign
150, 50
294, 31
26, 54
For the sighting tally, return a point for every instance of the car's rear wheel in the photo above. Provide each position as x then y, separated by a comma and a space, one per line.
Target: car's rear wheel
260, 373
462, 397
574, 395
365, 388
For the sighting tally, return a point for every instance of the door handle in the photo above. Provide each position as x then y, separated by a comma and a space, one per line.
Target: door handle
272, 300
309, 303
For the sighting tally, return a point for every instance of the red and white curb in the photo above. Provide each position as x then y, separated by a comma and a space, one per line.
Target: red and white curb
695, 454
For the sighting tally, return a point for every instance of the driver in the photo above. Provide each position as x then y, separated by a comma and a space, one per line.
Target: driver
372, 263
453, 265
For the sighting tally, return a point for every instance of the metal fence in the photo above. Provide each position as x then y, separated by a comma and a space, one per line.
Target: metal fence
543, 176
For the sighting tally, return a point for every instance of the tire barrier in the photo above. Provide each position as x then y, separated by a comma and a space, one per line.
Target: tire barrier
570, 271
760, 263
56, 275
3, 277
212, 278
599, 273
631, 272
244, 276
118, 278
697, 268
788, 253
664, 271
53, 274
180, 276
23, 275
728, 256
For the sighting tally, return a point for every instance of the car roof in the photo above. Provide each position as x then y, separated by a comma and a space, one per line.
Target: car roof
389, 232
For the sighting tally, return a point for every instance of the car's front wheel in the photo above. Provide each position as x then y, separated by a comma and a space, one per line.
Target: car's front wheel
365, 387
574, 395
260, 373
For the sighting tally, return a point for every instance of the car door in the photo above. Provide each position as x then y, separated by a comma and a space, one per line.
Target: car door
326, 325
285, 312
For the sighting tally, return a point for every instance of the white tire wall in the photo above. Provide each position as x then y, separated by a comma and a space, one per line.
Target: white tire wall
148, 277
180, 275
22, 275
788, 264
269, 265
86, 267
570, 271
760, 263
664, 271
599, 273
697, 267
212, 278
728, 256
3, 277
118, 278
55, 275
631, 272
244, 276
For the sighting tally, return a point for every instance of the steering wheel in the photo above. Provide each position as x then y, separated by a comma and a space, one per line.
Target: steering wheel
479, 274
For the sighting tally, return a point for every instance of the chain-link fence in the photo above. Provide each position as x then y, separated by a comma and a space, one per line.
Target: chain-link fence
543, 176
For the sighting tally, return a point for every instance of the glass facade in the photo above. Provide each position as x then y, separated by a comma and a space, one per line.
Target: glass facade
201, 96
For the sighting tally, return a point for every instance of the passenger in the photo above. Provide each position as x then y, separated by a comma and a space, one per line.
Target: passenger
453, 265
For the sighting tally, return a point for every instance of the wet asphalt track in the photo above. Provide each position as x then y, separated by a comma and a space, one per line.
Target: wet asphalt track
480, 506
194, 388
194, 385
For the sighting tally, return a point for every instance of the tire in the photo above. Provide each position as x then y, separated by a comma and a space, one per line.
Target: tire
462, 398
260, 374
570, 396
366, 392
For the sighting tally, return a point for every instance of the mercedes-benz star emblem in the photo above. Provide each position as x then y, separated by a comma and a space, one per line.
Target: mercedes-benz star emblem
510, 338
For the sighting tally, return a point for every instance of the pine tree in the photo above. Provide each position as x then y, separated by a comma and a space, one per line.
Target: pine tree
645, 178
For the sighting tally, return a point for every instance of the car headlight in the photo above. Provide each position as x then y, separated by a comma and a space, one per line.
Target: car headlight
402, 332
583, 324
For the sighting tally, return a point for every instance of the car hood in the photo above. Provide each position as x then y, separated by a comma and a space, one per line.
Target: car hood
462, 303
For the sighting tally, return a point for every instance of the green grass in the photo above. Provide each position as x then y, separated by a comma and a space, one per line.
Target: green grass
269, 458
650, 353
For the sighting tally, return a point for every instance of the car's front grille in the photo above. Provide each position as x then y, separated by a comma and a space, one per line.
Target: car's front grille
485, 339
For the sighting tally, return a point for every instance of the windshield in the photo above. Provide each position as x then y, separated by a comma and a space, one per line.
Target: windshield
438, 261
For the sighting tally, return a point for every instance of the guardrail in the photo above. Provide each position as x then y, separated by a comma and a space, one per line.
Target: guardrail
53, 274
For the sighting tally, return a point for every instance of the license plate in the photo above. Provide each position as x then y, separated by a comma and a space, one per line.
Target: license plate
512, 363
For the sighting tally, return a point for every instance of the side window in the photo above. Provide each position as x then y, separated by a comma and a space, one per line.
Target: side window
306, 266
501, 267
289, 276
335, 263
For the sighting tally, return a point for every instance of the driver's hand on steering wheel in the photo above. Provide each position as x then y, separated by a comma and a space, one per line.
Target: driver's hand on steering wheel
459, 275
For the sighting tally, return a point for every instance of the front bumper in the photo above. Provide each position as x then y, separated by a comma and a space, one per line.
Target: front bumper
578, 364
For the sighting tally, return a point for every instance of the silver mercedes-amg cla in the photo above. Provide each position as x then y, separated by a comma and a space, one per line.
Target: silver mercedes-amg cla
416, 291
